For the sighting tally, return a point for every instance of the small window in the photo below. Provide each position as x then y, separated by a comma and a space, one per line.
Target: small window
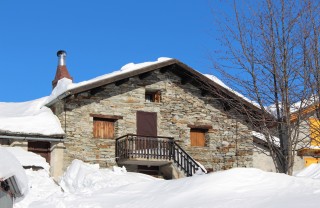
103, 128
153, 96
198, 137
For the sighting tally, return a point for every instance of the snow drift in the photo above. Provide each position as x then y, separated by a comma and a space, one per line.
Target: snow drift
239, 187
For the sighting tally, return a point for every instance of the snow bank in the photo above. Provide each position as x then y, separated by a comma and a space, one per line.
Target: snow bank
29, 118
84, 177
41, 186
10, 166
240, 187
312, 171
28, 158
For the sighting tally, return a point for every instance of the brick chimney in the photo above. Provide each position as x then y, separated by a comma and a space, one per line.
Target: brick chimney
62, 71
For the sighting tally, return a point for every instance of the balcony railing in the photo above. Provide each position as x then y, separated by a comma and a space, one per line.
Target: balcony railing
133, 146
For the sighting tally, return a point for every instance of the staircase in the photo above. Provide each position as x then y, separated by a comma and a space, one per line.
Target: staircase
131, 146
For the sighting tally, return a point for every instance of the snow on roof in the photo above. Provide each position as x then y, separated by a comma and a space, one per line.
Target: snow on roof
274, 140
29, 118
65, 84
222, 84
28, 158
34, 118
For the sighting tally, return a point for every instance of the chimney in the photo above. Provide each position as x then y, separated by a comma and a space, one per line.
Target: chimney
62, 71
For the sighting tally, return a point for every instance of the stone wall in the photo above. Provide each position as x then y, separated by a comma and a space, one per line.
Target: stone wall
228, 143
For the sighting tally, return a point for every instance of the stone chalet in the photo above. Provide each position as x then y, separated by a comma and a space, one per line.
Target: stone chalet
162, 118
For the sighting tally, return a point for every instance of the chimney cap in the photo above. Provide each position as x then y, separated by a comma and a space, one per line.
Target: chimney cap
61, 52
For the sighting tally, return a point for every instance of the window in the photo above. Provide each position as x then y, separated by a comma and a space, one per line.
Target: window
153, 96
197, 137
315, 131
103, 128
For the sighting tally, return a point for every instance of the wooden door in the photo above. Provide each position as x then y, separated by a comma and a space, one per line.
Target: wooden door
40, 148
197, 137
146, 126
146, 123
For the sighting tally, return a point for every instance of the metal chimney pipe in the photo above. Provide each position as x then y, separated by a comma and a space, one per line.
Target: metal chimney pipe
62, 58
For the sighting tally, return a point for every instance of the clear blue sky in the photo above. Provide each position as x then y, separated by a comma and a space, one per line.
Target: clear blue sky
99, 36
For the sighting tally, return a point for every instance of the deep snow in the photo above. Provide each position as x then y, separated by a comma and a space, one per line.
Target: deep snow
237, 187
86, 185
89, 186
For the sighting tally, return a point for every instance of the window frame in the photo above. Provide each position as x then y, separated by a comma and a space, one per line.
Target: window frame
152, 96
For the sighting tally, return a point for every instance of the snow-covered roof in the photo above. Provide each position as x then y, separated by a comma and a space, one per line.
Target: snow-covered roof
65, 84
222, 84
29, 118
274, 140
34, 118
28, 159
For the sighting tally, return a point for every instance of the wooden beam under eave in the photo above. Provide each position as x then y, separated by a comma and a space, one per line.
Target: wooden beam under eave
185, 80
204, 93
113, 117
200, 126
96, 90
122, 81
166, 68
144, 75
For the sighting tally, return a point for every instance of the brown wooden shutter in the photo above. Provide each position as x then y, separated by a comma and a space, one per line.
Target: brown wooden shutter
103, 128
197, 137
157, 97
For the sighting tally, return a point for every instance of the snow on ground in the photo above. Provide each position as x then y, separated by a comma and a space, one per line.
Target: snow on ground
312, 171
88, 186
83, 177
238, 187
29, 118
41, 186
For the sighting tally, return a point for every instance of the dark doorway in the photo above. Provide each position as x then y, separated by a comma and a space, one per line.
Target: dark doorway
146, 123
149, 170
40, 148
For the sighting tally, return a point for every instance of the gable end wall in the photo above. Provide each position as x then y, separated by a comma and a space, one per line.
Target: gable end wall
228, 143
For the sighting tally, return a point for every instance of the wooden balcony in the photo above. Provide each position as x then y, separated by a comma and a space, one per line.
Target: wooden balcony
155, 151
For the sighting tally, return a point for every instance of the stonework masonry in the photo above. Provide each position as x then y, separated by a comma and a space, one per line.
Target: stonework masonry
228, 142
